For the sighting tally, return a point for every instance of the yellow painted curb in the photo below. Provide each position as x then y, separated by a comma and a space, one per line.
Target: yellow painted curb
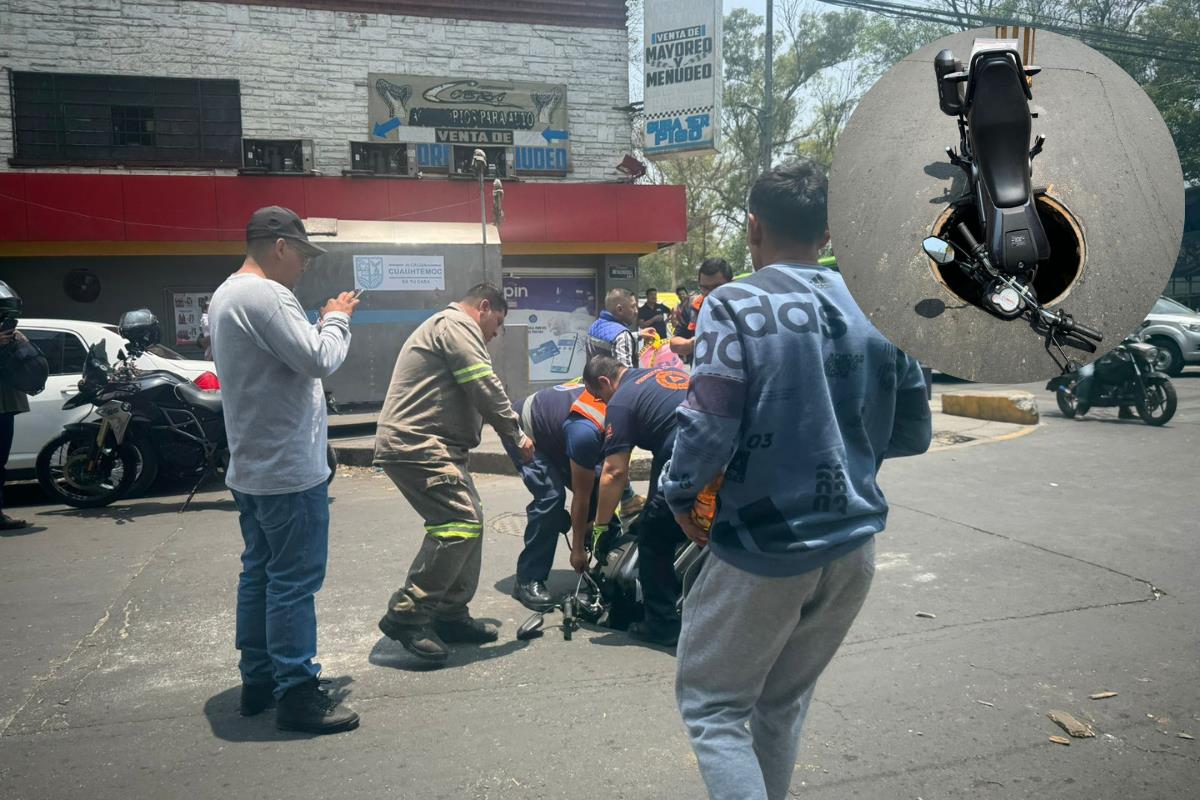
1017, 407
1004, 437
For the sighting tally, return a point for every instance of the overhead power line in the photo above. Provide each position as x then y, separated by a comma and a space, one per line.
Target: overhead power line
1107, 41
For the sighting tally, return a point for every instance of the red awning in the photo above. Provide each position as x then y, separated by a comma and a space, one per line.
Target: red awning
607, 217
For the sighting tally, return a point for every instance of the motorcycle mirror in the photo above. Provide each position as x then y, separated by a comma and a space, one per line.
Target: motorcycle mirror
531, 628
939, 250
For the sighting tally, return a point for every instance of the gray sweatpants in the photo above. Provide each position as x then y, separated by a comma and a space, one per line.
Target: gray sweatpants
751, 650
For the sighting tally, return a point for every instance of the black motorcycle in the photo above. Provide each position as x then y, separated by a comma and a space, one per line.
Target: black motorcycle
1058, 328
609, 593
1124, 377
990, 99
151, 422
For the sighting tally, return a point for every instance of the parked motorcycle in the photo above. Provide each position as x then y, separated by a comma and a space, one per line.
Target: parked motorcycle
1121, 378
990, 99
151, 422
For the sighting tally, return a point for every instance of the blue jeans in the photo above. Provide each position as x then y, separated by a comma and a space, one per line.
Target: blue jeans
283, 567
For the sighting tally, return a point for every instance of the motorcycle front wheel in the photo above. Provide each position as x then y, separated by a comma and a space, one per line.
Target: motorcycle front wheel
73, 469
1067, 402
1157, 406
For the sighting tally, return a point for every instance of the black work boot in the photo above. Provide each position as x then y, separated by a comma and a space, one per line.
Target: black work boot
1126, 413
257, 698
653, 634
468, 631
533, 595
309, 709
420, 639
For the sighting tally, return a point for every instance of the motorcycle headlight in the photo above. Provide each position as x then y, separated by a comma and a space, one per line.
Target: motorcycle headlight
1152, 354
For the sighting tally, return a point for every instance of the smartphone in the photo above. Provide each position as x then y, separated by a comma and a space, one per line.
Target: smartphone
358, 293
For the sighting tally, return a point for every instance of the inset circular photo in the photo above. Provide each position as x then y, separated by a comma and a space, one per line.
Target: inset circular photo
1006, 210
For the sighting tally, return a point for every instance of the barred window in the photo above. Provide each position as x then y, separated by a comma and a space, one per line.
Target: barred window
123, 120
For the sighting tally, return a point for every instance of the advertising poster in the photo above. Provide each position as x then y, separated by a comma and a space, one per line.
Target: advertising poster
683, 77
558, 312
188, 308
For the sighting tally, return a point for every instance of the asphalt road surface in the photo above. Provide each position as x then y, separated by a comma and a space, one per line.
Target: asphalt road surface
1055, 566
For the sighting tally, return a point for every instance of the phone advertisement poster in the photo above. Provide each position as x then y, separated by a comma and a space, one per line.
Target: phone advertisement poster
558, 311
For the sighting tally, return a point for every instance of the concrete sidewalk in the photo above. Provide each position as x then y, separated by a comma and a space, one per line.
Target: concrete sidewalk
355, 449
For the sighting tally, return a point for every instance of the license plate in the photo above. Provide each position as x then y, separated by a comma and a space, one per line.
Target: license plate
117, 417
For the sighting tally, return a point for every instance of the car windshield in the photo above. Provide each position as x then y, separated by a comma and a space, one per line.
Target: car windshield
1165, 305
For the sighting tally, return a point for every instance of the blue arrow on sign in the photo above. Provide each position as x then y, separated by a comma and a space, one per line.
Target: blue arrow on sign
550, 135
382, 129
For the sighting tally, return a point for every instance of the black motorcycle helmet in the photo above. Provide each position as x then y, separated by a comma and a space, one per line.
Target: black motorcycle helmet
10, 302
140, 328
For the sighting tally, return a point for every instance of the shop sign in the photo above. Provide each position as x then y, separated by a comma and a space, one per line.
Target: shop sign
400, 273
683, 82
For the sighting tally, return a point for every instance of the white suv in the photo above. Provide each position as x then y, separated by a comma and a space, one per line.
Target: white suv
1175, 330
65, 343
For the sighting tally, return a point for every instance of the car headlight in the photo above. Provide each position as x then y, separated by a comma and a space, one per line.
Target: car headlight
1194, 327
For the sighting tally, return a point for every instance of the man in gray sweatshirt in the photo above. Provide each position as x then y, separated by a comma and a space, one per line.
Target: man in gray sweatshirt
271, 360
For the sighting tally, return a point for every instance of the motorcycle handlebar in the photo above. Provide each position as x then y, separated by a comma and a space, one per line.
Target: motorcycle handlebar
965, 233
1084, 330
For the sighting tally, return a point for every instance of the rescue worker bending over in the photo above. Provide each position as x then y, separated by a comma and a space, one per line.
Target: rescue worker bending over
567, 423
640, 412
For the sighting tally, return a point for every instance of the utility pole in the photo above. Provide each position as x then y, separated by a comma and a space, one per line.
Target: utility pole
768, 109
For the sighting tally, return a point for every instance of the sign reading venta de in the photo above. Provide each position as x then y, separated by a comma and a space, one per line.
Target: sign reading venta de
436, 114
394, 273
683, 77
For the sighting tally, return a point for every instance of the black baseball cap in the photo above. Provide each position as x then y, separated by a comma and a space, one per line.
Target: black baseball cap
277, 222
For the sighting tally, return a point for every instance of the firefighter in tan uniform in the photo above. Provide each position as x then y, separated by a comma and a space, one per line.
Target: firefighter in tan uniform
442, 390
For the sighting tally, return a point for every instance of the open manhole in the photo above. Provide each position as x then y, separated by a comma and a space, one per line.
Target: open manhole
511, 523
1055, 276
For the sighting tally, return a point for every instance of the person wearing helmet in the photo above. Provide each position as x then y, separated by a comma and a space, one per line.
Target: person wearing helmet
12, 400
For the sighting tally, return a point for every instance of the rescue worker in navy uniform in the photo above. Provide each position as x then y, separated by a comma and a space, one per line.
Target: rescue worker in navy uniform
713, 272
567, 425
640, 412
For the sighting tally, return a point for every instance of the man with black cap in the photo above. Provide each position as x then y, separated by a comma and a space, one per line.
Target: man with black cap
271, 360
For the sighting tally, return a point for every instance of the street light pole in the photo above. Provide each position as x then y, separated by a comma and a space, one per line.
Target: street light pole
768, 109
479, 165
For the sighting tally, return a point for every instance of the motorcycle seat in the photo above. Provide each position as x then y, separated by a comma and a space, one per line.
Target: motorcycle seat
1000, 125
198, 398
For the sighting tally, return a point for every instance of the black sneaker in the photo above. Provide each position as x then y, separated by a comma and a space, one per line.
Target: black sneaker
420, 640
257, 698
7, 523
533, 595
653, 635
468, 631
309, 709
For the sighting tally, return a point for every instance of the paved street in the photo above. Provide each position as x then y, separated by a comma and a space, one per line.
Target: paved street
1056, 565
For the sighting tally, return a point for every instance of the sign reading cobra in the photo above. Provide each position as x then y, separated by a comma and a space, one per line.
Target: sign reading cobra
683, 77
395, 273
436, 114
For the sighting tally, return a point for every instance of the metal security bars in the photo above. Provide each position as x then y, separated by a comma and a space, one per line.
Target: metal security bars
120, 120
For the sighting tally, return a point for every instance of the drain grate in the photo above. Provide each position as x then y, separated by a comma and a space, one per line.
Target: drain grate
952, 438
510, 524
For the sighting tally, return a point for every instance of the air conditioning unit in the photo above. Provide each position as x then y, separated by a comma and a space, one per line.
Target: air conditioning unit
277, 156
379, 158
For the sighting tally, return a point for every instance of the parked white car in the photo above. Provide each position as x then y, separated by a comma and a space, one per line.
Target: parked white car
1174, 329
65, 343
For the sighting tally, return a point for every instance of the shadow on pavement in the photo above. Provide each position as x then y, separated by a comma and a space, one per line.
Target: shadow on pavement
229, 725
125, 514
28, 530
391, 654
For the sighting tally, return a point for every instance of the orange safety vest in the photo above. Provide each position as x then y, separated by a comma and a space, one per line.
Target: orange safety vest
697, 301
591, 408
